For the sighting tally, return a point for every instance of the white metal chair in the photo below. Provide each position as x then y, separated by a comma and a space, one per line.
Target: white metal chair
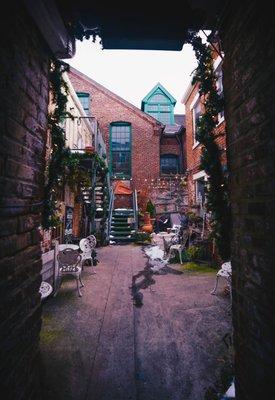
87, 246
225, 272
68, 264
179, 247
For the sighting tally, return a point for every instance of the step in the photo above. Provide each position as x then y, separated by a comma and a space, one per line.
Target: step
121, 238
120, 233
120, 227
122, 211
119, 219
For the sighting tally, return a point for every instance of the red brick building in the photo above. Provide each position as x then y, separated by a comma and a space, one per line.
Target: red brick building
132, 137
142, 145
196, 177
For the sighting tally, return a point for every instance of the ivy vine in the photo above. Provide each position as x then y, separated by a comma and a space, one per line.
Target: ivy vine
217, 190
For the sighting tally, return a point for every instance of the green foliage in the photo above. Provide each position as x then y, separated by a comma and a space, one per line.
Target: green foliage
217, 192
150, 208
142, 237
194, 253
195, 267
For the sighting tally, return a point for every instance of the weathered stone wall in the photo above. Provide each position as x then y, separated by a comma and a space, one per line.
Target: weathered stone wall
24, 100
248, 37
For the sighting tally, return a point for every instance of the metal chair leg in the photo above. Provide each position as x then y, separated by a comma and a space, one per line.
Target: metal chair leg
216, 285
78, 288
180, 256
82, 284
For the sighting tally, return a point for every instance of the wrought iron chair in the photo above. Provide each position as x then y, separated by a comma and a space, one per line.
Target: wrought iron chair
224, 272
87, 246
180, 246
69, 264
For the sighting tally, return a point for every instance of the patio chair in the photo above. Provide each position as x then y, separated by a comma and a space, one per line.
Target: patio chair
68, 264
183, 239
225, 272
87, 246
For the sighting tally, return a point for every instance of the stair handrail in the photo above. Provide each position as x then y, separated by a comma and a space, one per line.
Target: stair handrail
110, 212
135, 208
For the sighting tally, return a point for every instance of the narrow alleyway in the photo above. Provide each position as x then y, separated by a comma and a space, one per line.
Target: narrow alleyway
102, 347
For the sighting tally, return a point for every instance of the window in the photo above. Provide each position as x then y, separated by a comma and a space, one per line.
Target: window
159, 106
219, 86
196, 112
84, 99
158, 98
121, 149
200, 191
169, 164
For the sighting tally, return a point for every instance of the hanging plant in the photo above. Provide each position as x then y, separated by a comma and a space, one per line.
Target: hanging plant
217, 191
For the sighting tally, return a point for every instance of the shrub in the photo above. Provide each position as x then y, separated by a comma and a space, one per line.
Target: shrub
142, 237
194, 253
150, 208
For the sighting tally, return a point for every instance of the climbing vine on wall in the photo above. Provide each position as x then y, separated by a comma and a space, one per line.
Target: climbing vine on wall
217, 190
64, 166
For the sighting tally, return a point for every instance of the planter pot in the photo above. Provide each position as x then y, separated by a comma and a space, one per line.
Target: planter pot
89, 149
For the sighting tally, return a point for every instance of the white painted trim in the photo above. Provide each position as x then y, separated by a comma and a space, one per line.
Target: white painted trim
217, 63
187, 93
195, 100
51, 26
220, 120
200, 174
195, 144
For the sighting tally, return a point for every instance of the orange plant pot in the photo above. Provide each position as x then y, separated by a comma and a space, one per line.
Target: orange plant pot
147, 227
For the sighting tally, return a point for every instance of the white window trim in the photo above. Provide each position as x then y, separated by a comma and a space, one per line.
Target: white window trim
192, 106
199, 175
196, 177
217, 65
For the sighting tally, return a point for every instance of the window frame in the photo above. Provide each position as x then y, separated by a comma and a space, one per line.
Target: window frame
159, 111
219, 76
197, 177
85, 95
112, 174
171, 156
193, 105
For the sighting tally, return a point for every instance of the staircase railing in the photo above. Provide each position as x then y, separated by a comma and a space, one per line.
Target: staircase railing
135, 208
110, 212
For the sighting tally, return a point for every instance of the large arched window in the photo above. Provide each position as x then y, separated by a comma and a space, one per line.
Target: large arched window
120, 147
169, 164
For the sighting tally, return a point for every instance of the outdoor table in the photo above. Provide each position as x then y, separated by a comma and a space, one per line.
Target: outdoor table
63, 246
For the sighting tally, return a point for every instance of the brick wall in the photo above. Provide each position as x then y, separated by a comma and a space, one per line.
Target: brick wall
24, 101
110, 108
248, 37
169, 146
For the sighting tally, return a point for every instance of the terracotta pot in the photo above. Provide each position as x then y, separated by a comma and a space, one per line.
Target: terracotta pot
89, 149
147, 227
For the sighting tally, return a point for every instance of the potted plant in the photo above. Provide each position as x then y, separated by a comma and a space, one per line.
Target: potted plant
142, 237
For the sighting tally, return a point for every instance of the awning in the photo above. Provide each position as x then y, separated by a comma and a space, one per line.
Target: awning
122, 188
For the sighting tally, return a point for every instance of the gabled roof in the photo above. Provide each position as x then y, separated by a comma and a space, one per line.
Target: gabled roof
179, 119
115, 97
157, 87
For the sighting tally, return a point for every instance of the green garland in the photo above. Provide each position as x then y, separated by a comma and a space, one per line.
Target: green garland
64, 167
217, 191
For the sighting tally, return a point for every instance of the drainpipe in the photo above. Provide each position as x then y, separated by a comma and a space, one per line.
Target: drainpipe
180, 142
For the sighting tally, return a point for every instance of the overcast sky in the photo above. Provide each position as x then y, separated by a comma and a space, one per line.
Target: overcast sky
133, 73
